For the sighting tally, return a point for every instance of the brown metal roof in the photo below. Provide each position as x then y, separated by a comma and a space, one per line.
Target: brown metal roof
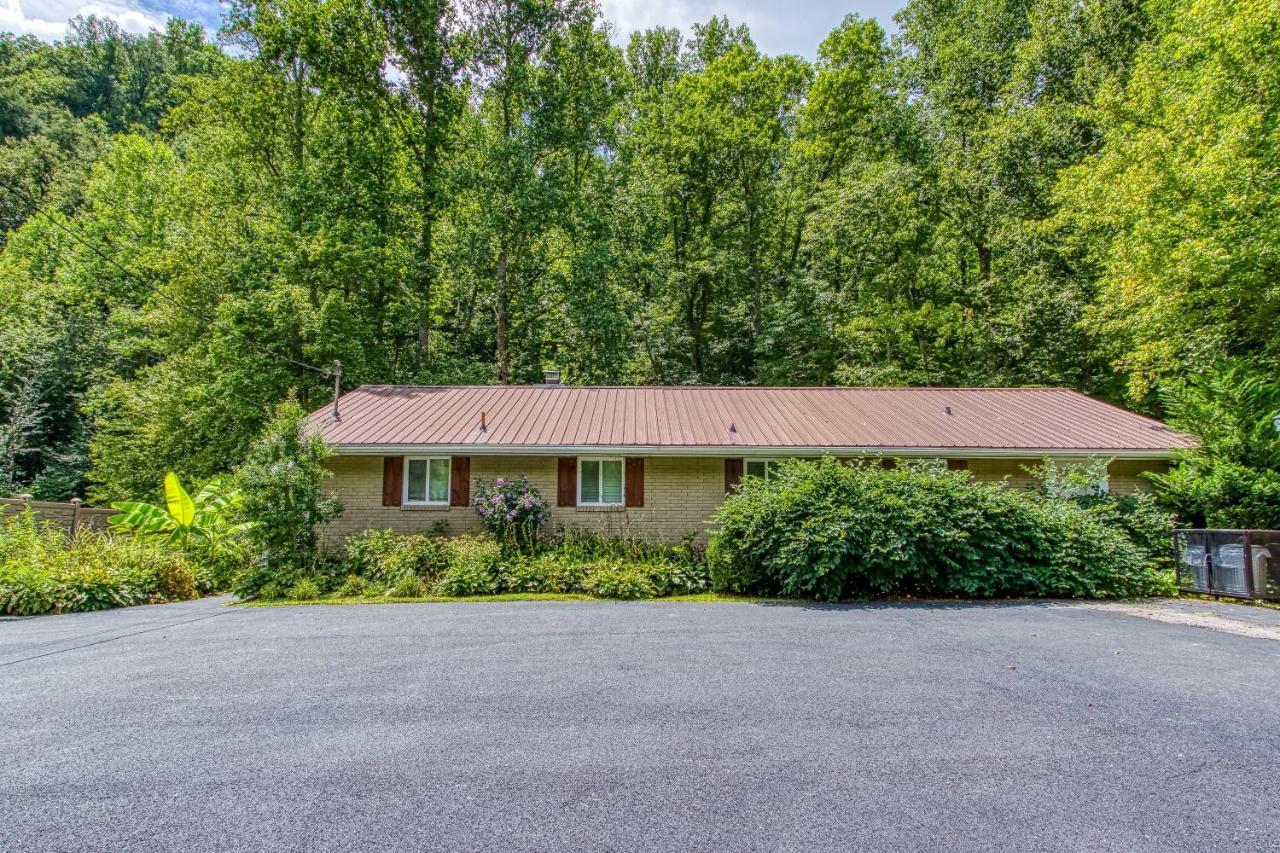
676, 419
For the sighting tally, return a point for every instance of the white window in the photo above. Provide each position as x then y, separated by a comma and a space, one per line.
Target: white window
1080, 490
761, 468
426, 480
600, 482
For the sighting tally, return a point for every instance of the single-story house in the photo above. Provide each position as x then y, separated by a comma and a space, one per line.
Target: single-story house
655, 462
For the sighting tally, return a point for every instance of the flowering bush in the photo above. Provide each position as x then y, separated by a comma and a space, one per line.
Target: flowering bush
512, 510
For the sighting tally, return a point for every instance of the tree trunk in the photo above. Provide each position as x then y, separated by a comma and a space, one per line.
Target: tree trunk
425, 277
502, 307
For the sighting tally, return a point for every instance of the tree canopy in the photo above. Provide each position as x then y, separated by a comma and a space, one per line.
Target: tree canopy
1005, 192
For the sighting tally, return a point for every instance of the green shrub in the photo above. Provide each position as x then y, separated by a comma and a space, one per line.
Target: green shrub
216, 571
270, 591
478, 565
42, 570
625, 582
466, 579
364, 552
830, 530
352, 586
409, 586
304, 590
676, 578
549, 572
424, 557
1141, 519
384, 557
177, 582
281, 481
1138, 516
475, 566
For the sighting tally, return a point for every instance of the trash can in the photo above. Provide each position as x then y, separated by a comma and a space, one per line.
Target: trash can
1240, 563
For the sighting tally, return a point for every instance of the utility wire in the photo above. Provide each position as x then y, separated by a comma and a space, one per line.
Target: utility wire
151, 288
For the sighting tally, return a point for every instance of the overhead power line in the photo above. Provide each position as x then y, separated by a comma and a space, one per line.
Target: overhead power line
151, 287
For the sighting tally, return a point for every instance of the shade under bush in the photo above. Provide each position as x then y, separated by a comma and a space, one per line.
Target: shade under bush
831, 530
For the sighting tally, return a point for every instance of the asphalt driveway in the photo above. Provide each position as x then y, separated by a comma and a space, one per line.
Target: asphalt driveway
600, 726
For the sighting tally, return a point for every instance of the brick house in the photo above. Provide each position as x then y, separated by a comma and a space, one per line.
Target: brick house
657, 461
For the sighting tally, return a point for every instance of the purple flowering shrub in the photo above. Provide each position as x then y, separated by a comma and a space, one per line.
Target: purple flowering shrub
512, 510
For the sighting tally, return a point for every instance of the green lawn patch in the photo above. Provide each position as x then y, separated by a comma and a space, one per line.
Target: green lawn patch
506, 596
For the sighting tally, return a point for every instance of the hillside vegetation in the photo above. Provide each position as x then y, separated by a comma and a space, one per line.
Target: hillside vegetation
1006, 192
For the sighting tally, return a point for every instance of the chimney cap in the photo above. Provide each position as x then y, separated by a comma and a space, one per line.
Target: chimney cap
551, 377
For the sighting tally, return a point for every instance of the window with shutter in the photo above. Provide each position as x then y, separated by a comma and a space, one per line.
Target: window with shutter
426, 480
601, 482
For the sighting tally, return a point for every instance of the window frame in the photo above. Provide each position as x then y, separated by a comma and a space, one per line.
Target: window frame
426, 490
622, 467
769, 462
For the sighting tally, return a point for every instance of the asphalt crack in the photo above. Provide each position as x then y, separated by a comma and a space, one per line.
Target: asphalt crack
226, 612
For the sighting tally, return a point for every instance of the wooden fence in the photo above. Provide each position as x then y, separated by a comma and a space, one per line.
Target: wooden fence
72, 516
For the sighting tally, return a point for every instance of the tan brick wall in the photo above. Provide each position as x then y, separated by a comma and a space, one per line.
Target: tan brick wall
1125, 475
1122, 474
680, 494
1006, 470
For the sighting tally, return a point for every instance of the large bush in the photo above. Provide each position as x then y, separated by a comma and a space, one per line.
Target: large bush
831, 530
1138, 516
1232, 478
284, 502
42, 570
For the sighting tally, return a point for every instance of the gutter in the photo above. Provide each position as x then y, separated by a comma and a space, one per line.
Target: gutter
739, 450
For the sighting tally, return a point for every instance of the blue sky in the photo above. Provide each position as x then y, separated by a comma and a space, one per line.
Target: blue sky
790, 27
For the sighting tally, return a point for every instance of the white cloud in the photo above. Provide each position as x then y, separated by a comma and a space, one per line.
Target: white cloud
47, 19
628, 16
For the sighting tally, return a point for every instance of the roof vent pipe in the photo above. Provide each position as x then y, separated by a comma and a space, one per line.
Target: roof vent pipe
550, 377
483, 425
947, 409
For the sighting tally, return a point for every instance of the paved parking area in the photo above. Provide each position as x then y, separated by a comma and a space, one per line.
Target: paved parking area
655, 726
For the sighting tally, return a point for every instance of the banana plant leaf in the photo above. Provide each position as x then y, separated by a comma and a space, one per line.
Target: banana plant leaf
206, 516
142, 518
181, 507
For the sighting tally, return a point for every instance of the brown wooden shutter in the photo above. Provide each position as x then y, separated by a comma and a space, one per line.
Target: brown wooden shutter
567, 481
392, 480
732, 473
460, 481
635, 481
957, 464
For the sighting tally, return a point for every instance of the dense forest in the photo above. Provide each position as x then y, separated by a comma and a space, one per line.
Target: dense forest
1004, 192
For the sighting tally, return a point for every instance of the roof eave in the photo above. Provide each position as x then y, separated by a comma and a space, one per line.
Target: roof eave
741, 450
